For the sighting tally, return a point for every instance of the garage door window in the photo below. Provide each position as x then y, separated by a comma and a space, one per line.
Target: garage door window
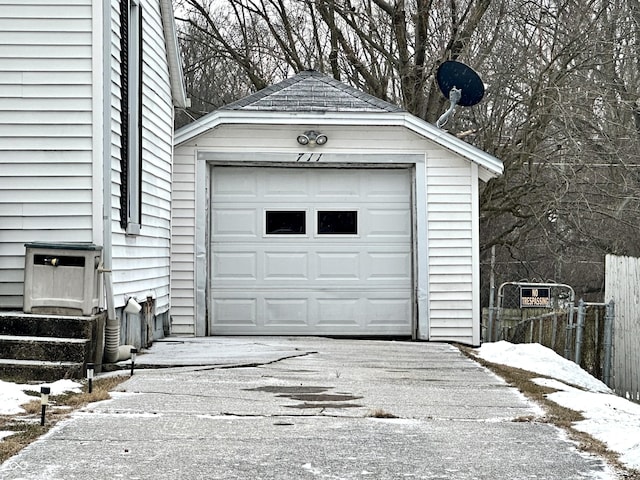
337, 222
285, 222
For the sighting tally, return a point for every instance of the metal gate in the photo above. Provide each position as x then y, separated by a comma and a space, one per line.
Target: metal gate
546, 313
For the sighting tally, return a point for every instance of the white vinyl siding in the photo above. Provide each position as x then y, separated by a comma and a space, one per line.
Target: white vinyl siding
45, 131
451, 248
183, 261
445, 206
141, 262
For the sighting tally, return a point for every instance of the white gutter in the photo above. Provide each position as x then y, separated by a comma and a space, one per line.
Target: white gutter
178, 91
386, 119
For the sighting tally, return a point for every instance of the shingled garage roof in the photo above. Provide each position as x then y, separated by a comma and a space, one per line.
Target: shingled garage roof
311, 91
311, 97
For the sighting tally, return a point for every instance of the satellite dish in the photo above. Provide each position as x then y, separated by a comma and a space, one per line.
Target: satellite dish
460, 84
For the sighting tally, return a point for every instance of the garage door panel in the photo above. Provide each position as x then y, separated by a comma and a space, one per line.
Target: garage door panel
234, 266
338, 266
388, 224
234, 222
339, 312
286, 311
234, 184
339, 184
285, 265
236, 312
333, 284
389, 266
383, 313
389, 185
385, 310
282, 183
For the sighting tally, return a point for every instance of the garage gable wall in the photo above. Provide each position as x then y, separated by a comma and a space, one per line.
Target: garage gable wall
237, 140
449, 201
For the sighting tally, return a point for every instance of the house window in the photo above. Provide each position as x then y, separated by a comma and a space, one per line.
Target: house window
285, 222
130, 115
332, 222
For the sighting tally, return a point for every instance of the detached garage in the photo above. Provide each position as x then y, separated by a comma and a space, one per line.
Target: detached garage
311, 208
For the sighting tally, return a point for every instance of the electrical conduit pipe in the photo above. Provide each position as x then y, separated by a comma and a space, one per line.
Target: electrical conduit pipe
113, 351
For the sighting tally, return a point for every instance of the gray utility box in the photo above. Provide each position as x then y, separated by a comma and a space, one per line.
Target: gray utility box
62, 278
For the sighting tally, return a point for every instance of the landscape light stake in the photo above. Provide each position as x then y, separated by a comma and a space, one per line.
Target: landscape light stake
133, 358
44, 401
90, 371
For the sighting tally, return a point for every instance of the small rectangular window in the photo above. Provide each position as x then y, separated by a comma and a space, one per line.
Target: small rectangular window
286, 222
337, 222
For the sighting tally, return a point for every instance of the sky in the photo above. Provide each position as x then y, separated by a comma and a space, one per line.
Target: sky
609, 418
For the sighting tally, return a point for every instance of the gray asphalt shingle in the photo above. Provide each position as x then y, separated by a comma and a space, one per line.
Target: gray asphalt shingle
311, 91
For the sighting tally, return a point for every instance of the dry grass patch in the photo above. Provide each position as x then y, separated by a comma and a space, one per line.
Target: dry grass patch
27, 424
554, 414
380, 413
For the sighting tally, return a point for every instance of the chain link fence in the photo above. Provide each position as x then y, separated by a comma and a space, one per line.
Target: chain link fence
580, 331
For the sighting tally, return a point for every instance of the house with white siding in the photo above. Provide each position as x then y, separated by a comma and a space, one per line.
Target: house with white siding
87, 96
312, 208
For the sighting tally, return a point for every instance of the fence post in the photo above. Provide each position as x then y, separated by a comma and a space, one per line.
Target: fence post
608, 343
492, 291
553, 333
540, 329
579, 331
567, 336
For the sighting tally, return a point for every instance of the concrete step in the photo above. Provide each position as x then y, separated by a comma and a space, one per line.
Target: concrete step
65, 326
50, 346
48, 349
38, 371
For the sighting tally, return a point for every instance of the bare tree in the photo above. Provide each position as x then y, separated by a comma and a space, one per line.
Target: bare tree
562, 107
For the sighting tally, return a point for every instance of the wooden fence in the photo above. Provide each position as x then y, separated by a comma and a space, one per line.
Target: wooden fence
622, 285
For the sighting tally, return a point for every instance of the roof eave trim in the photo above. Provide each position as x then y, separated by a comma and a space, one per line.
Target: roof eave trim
178, 90
453, 143
402, 119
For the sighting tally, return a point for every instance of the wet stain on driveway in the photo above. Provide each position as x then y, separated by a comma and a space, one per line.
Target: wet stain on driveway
310, 396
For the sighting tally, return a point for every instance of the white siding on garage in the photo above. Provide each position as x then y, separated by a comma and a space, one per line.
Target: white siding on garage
45, 131
451, 248
141, 262
183, 261
229, 138
445, 279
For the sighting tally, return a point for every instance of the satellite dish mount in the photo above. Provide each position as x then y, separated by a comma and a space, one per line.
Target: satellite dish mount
460, 84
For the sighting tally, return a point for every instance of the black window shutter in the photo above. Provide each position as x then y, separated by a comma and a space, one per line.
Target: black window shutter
124, 113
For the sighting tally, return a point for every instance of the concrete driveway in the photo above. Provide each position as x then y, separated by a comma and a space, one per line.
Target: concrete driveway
306, 408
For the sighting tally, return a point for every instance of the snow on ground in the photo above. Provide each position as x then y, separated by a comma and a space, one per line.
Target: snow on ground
608, 418
12, 394
538, 359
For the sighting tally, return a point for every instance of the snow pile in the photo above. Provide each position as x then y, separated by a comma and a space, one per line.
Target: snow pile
12, 394
538, 359
608, 418
11, 397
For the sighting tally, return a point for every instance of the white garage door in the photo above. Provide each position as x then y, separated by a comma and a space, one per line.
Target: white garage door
310, 251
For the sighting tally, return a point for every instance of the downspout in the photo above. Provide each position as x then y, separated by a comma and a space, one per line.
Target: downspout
113, 352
